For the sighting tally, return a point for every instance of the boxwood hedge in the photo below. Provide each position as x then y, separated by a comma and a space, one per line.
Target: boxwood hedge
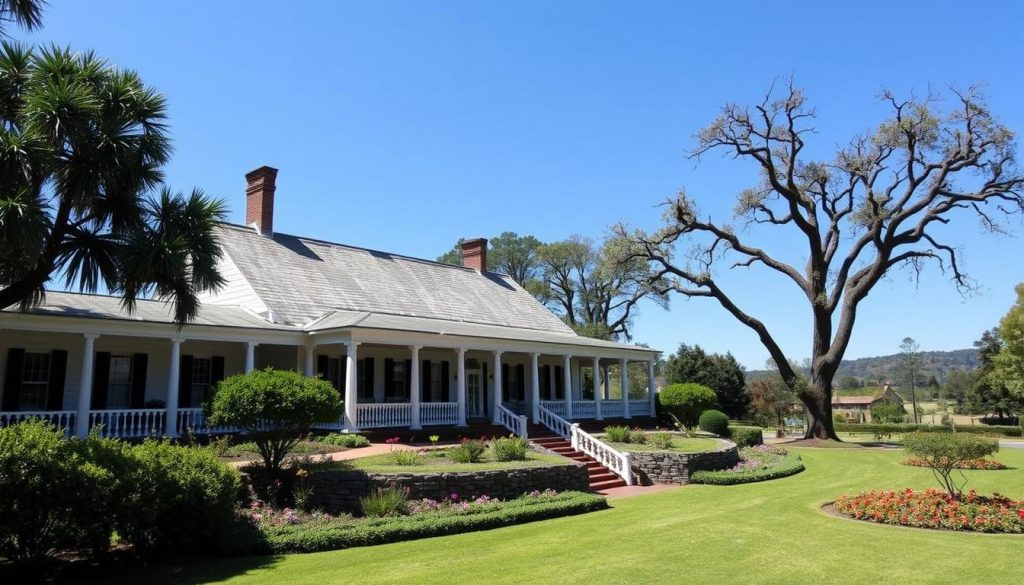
900, 429
790, 465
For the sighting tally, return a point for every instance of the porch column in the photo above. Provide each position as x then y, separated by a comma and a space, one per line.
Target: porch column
535, 388
250, 356
85, 387
567, 385
414, 388
595, 376
351, 379
624, 386
460, 385
496, 419
310, 368
652, 392
173, 378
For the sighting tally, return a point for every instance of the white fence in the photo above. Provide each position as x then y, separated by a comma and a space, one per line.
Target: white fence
62, 419
439, 413
129, 423
640, 408
370, 416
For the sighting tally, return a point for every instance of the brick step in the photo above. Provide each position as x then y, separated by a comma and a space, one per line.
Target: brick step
598, 475
604, 485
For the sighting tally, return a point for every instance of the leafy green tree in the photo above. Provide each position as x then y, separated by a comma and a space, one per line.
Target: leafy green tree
275, 408
771, 401
992, 392
850, 383
888, 412
1008, 362
879, 204
26, 13
947, 452
81, 147
958, 384
685, 402
721, 373
509, 253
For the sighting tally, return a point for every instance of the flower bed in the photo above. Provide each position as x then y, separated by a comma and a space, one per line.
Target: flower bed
261, 530
759, 463
935, 509
984, 464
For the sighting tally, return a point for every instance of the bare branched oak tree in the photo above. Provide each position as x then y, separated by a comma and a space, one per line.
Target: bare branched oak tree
871, 209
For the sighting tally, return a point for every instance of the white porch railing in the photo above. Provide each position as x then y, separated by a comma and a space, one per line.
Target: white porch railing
512, 421
639, 407
612, 409
129, 423
584, 409
439, 413
620, 463
553, 421
62, 419
369, 416
193, 420
555, 406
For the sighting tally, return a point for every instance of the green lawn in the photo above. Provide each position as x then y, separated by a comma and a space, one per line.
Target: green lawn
771, 532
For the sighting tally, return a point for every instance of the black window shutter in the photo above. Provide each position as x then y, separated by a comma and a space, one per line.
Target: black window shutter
445, 381
427, 393
185, 382
548, 390
389, 377
321, 366
58, 371
505, 390
140, 365
12, 378
216, 371
368, 377
559, 383
520, 382
100, 379
408, 379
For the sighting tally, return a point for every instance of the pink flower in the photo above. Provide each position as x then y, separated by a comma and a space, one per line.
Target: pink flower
454, 496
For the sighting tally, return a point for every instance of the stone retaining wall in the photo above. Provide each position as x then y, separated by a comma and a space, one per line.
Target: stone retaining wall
675, 467
340, 490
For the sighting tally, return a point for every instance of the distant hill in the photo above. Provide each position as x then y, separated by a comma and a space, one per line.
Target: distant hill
874, 370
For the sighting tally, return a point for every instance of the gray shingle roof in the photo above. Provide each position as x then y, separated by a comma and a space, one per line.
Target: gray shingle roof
303, 279
66, 304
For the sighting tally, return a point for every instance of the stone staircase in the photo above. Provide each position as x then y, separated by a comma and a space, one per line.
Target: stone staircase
601, 478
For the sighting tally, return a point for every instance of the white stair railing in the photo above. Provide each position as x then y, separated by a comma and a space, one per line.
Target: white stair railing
620, 463
512, 421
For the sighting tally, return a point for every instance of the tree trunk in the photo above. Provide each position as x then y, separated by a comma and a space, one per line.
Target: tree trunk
818, 400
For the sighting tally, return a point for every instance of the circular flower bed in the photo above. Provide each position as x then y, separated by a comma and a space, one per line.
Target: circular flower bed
758, 463
932, 508
968, 464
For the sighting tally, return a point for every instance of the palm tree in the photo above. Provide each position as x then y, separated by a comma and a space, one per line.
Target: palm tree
27, 13
81, 149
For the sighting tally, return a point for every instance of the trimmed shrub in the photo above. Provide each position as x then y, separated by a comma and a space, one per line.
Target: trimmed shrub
617, 433
685, 402
405, 457
511, 448
468, 451
746, 436
900, 429
715, 422
333, 536
637, 437
662, 440
275, 408
183, 499
945, 452
347, 440
51, 497
384, 502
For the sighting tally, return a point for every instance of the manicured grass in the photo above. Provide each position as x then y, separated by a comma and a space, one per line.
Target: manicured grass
770, 532
680, 444
384, 463
246, 451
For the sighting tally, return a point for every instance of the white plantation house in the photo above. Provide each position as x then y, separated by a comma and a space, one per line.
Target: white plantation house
408, 342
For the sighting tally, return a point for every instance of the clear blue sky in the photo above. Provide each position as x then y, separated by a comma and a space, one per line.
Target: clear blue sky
405, 125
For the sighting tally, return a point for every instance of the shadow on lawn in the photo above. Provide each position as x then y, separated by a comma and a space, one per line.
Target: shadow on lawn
178, 571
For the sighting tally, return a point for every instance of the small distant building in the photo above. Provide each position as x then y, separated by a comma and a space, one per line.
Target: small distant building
858, 408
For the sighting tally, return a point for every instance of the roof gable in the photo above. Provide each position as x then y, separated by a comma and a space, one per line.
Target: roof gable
302, 279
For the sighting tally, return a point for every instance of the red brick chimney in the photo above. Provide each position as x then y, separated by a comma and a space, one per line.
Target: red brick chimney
474, 254
259, 199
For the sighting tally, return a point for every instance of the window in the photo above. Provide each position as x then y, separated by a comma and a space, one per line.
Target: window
202, 371
363, 385
35, 379
119, 382
435, 383
398, 390
334, 374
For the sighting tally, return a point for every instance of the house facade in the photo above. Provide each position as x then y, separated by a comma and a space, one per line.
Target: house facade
407, 342
858, 408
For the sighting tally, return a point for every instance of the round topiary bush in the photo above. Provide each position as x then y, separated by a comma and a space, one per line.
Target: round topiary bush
714, 421
685, 402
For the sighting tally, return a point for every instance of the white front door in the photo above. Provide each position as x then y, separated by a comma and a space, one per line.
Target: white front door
475, 395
